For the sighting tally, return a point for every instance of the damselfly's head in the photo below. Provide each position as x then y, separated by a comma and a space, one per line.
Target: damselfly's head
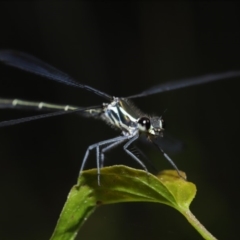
153, 126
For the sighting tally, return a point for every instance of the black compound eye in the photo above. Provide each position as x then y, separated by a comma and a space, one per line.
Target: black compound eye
145, 122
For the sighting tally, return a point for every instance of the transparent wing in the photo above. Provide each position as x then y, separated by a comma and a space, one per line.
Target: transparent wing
36, 117
169, 143
182, 83
31, 64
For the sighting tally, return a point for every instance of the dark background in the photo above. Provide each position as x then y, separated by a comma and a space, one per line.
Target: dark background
121, 48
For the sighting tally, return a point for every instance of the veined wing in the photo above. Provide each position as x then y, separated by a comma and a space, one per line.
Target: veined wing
31, 64
167, 142
182, 83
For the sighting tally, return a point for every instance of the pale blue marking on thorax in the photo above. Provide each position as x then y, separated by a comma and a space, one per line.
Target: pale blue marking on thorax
121, 115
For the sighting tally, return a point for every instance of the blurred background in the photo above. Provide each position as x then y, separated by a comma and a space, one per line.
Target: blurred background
121, 48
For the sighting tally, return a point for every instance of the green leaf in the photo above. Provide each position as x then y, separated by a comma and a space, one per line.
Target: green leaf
124, 184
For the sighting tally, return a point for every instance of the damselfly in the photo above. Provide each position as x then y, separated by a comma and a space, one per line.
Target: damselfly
118, 112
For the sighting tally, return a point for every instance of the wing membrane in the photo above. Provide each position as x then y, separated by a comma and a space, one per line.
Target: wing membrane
182, 83
36, 117
33, 65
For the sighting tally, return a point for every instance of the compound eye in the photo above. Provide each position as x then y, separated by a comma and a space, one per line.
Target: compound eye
145, 122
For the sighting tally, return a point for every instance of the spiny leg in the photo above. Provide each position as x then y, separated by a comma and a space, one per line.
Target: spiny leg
173, 164
98, 168
144, 156
170, 161
134, 138
97, 145
109, 147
